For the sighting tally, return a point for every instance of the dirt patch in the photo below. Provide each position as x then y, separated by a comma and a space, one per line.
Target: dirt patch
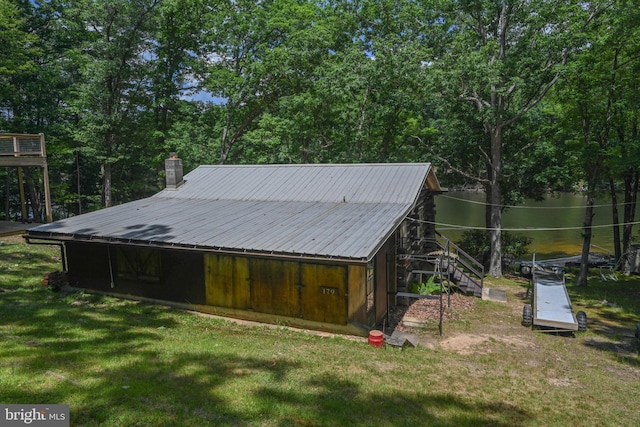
504, 329
481, 344
561, 382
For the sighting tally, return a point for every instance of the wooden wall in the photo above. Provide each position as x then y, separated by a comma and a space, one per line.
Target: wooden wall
330, 293
91, 266
385, 276
357, 294
305, 290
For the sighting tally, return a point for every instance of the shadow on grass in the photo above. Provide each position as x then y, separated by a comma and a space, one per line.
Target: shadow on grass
613, 310
20, 264
326, 395
107, 359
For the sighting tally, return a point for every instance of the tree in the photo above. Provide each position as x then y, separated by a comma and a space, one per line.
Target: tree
600, 115
239, 43
354, 88
623, 48
393, 46
294, 123
502, 58
177, 43
112, 65
17, 53
36, 100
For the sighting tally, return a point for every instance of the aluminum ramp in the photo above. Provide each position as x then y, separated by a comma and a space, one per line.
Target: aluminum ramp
551, 304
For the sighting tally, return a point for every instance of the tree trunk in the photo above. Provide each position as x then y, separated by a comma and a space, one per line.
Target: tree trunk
495, 234
631, 179
78, 182
34, 193
615, 218
106, 185
223, 142
586, 240
495, 214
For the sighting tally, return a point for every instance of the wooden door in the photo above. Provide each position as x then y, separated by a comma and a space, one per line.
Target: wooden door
227, 281
323, 293
274, 287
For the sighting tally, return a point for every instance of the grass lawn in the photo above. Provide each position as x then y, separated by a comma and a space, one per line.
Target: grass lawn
124, 363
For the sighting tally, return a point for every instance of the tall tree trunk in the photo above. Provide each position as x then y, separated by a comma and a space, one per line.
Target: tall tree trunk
586, 240
615, 217
631, 180
106, 185
78, 182
495, 215
486, 255
106, 169
223, 151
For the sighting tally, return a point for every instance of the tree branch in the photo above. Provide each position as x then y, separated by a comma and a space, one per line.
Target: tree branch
449, 165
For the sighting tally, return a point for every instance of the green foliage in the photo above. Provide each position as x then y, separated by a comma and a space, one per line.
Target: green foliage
19, 46
429, 287
519, 98
477, 244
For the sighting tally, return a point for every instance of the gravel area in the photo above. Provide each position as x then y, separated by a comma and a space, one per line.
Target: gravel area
429, 310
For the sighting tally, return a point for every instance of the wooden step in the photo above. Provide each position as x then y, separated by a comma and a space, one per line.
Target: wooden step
464, 282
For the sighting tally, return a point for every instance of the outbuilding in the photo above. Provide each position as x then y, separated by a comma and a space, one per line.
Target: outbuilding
313, 245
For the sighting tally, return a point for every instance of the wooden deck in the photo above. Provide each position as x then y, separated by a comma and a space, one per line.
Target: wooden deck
11, 228
26, 150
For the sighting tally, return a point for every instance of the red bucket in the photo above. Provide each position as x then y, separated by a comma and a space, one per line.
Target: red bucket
376, 338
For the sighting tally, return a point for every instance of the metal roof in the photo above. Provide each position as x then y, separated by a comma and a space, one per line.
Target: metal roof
335, 211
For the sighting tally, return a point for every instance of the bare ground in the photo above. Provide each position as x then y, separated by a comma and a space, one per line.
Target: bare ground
463, 334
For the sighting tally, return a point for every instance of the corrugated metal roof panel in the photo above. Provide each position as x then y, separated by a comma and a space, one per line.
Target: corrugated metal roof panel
315, 229
356, 183
339, 211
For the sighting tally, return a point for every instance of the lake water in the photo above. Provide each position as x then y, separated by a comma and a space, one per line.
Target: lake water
564, 213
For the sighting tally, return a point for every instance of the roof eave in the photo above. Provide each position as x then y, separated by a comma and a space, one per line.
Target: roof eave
65, 238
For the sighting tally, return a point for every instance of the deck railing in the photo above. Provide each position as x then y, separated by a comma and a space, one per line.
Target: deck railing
26, 150
468, 262
19, 145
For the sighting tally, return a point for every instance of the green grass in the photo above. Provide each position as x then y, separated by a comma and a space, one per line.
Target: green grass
124, 363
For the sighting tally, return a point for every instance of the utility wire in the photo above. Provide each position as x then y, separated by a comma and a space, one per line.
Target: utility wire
528, 207
466, 227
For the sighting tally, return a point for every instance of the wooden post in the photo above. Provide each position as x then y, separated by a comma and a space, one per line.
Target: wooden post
45, 179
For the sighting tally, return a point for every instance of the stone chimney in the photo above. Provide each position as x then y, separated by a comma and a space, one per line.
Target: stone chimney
173, 170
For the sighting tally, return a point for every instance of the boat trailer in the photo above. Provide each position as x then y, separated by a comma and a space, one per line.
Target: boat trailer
551, 309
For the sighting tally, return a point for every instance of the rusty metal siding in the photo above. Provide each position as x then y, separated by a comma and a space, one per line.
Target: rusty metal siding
324, 297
